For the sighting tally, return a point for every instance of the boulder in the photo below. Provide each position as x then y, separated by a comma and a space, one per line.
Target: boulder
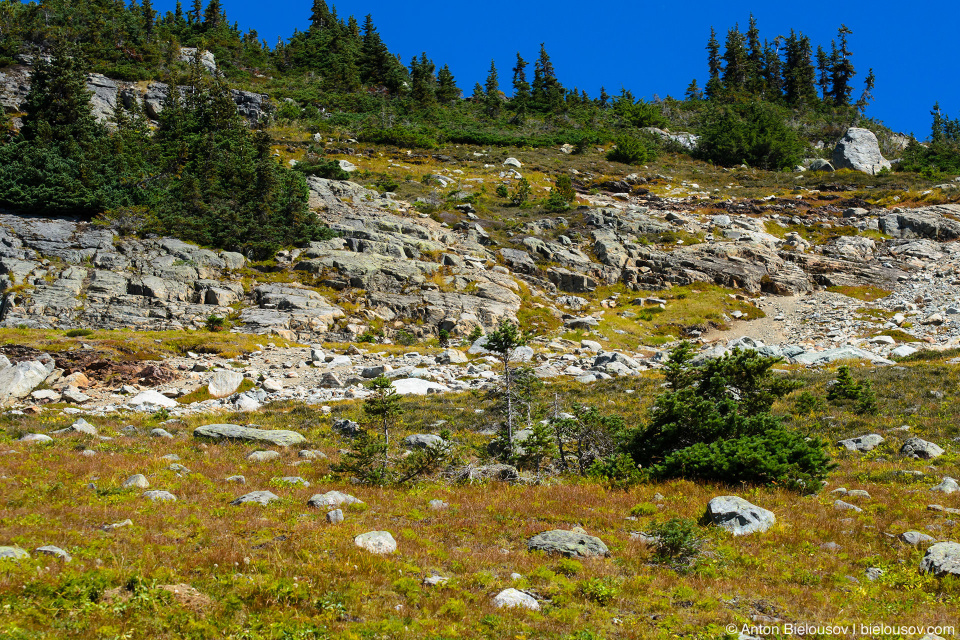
860, 151
423, 441
224, 383
151, 398
19, 380
497, 472
159, 496
379, 542
947, 485
942, 559
914, 538
919, 448
332, 499
275, 437
417, 387
568, 543
738, 516
347, 428
256, 497
35, 438
13, 553
513, 599
335, 516
821, 165
263, 456
137, 481
50, 550
862, 443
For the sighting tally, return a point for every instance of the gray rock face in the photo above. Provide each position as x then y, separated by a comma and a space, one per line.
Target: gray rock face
862, 443
276, 437
738, 516
821, 165
947, 485
860, 151
256, 497
919, 448
942, 559
379, 542
188, 55
332, 499
224, 383
568, 543
934, 223
512, 599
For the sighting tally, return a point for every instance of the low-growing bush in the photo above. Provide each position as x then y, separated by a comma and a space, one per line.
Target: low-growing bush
629, 150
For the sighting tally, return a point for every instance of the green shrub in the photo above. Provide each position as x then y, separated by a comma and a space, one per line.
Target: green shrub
215, 323
629, 150
521, 194
405, 338
644, 509
755, 133
78, 333
714, 424
617, 472
502, 191
329, 169
677, 541
845, 388
599, 591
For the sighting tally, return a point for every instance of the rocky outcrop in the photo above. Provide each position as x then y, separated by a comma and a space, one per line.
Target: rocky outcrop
860, 151
940, 222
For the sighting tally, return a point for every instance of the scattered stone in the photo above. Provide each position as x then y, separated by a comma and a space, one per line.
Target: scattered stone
347, 428
497, 472
138, 481
35, 438
51, 550
873, 573
435, 581
379, 542
942, 559
921, 449
236, 479
150, 398
224, 383
862, 443
840, 505
263, 456
947, 485
294, 480
915, 538
257, 497
13, 553
438, 505
335, 516
423, 441
117, 525
159, 496
512, 598
161, 433
568, 543
738, 516
276, 437
332, 499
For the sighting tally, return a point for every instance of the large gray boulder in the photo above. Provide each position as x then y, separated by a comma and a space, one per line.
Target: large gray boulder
862, 443
919, 448
18, 381
423, 441
332, 499
13, 553
568, 543
860, 151
276, 437
513, 599
224, 383
256, 497
942, 559
738, 516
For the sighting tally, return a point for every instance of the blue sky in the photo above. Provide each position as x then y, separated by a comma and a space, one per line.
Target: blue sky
653, 47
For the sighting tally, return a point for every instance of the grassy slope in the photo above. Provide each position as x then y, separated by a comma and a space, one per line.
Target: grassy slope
281, 571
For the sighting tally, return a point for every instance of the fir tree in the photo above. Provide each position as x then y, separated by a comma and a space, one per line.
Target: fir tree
319, 16
447, 90
772, 70
149, 16
423, 80
196, 12
491, 91
841, 69
736, 69
521, 88
755, 59
823, 72
547, 92
714, 85
799, 74
693, 91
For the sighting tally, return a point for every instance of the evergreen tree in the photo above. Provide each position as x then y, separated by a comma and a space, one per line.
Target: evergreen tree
149, 17
447, 91
841, 69
423, 80
604, 97
491, 91
823, 73
755, 59
196, 12
772, 70
213, 16
319, 16
693, 91
178, 14
58, 104
714, 85
867, 96
521, 88
736, 67
478, 94
375, 60
547, 92
799, 74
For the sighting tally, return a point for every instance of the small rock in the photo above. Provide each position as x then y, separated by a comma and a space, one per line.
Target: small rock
256, 497
438, 505
947, 485
332, 499
379, 542
13, 553
918, 448
512, 598
846, 506
159, 496
35, 438
51, 550
335, 516
942, 559
263, 456
236, 479
138, 481
161, 433
914, 538
738, 516
568, 543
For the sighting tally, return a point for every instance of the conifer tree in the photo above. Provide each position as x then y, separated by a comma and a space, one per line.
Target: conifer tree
423, 80
714, 85
375, 59
547, 92
521, 88
799, 74
823, 73
773, 70
447, 90
491, 91
196, 12
213, 16
735, 70
319, 16
693, 91
149, 17
178, 14
755, 59
603, 98
841, 69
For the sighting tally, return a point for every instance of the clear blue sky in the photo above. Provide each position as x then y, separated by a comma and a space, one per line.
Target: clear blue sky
653, 47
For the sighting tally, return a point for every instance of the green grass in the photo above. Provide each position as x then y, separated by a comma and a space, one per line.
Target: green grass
867, 293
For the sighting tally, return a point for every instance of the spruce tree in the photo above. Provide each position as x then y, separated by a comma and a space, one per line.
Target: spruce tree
693, 91
491, 91
547, 92
755, 59
423, 80
196, 12
447, 91
772, 70
521, 88
735, 70
178, 14
841, 70
823, 73
799, 74
375, 59
714, 85
319, 15
213, 16
149, 17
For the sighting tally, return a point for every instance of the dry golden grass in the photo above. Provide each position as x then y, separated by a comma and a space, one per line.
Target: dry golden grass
282, 572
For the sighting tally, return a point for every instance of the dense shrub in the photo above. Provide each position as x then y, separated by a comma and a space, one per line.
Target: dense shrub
329, 169
629, 150
714, 424
755, 133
